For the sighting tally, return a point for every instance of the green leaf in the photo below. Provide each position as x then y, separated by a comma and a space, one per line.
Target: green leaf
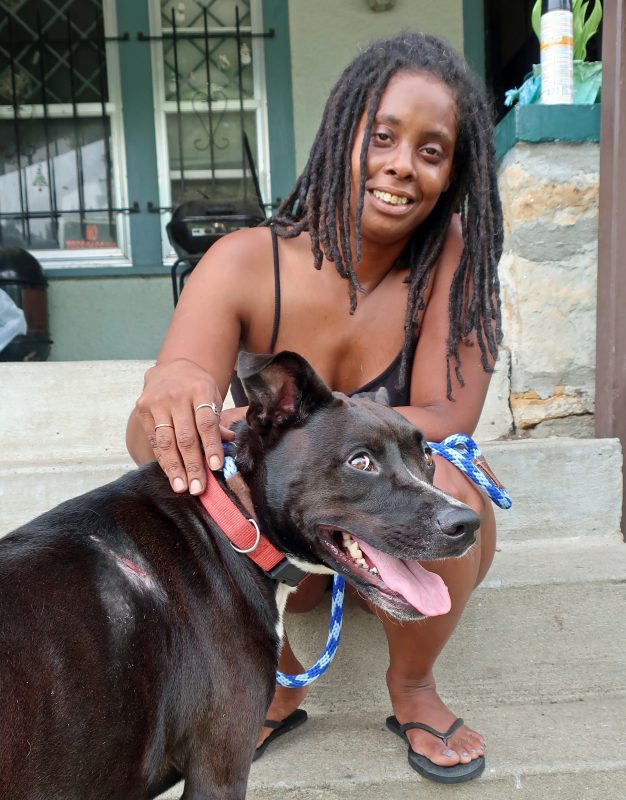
593, 23
536, 19
579, 21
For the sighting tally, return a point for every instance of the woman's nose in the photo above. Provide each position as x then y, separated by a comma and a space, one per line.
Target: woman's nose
401, 163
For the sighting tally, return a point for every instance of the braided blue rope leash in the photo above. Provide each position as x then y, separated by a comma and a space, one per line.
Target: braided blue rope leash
459, 449
334, 635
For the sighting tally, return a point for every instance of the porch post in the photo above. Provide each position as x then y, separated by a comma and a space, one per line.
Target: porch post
610, 410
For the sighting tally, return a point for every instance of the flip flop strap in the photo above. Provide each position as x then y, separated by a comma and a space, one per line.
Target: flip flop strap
422, 727
274, 724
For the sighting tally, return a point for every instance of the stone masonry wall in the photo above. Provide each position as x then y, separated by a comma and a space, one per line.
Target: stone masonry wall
548, 275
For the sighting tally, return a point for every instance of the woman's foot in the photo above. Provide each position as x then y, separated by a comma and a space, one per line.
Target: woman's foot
285, 701
419, 702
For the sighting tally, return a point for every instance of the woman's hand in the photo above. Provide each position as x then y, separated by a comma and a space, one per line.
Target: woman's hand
179, 411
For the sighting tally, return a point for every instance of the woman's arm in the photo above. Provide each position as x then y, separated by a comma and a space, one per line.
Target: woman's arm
196, 362
430, 409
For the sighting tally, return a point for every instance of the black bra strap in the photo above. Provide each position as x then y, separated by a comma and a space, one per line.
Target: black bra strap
276, 290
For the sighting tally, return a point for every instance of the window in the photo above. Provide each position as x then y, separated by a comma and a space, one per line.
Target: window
211, 115
61, 152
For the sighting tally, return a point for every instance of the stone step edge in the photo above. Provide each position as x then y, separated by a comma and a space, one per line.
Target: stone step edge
497, 447
598, 558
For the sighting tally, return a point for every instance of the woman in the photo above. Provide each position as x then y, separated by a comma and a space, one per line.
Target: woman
397, 210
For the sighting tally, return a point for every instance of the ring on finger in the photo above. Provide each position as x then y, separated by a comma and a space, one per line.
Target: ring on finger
212, 406
164, 425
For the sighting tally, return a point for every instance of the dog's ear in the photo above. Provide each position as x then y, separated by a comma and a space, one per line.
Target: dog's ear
282, 389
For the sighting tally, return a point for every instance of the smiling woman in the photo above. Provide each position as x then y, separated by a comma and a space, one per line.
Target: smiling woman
380, 268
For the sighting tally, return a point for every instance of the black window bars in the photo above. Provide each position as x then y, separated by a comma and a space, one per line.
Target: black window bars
49, 69
45, 65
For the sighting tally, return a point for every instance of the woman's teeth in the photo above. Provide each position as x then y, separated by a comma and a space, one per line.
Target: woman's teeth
354, 551
392, 199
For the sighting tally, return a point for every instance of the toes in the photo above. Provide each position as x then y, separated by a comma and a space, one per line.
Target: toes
442, 755
468, 745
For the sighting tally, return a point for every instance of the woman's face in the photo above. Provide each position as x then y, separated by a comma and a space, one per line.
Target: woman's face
410, 157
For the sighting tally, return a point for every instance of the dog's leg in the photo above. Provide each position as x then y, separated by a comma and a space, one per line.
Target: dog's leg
220, 770
223, 744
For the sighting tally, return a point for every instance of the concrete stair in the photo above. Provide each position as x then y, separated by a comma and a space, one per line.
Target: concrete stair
538, 664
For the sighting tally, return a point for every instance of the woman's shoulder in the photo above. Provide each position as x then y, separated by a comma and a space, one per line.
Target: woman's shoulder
244, 248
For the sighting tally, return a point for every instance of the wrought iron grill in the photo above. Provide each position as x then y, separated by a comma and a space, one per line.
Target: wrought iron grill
56, 170
210, 100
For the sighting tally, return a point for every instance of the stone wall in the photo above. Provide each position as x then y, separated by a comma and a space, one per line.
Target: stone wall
548, 275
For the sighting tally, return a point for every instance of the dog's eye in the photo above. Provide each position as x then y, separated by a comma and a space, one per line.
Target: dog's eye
428, 456
361, 461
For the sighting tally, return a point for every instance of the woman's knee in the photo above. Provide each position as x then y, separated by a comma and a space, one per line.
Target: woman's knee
452, 481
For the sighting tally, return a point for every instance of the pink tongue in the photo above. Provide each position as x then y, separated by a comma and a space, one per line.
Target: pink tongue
424, 590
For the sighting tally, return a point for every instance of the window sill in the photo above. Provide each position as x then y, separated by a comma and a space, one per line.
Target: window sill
71, 260
538, 123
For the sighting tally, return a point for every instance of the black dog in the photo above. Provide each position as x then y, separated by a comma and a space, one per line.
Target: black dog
136, 644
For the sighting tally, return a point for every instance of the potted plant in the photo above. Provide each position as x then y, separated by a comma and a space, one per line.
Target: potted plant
587, 15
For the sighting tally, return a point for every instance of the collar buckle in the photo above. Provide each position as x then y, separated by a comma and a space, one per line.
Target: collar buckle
286, 572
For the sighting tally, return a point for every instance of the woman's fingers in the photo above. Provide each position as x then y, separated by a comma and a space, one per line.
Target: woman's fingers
188, 470
207, 415
167, 427
180, 415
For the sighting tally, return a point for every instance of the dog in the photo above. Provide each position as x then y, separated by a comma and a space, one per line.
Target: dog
136, 644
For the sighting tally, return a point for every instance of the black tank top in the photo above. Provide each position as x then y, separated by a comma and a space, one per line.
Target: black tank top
388, 378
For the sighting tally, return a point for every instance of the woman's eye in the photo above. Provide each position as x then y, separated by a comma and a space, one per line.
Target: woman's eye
362, 462
382, 137
432, 152
428, 457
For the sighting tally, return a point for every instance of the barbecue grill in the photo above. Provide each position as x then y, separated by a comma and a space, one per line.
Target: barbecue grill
197, 224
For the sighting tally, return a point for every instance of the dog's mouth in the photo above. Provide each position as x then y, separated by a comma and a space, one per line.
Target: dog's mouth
392, 583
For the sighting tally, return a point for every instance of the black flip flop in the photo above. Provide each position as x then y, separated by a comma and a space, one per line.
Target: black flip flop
456, 774
294, 720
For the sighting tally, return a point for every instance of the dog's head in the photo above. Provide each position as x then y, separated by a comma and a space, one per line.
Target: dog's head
345, 484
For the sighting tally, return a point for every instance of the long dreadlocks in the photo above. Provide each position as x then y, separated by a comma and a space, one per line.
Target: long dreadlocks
320, 200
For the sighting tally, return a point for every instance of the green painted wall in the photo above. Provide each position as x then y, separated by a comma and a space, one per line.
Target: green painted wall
327, 34
108, 318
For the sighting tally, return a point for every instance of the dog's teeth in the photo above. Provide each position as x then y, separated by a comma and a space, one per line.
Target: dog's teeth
354, 550
373, 570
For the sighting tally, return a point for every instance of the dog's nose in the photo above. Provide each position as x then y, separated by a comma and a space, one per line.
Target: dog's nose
458, 522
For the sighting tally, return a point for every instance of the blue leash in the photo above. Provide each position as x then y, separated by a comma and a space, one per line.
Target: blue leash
459, 449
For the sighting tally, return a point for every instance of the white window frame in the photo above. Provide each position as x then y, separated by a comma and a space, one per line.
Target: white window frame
95, 258
163, 107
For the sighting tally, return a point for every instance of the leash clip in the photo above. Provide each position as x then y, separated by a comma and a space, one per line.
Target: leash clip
256, 542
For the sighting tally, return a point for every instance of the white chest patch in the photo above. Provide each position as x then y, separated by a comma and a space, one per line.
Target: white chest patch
282, 595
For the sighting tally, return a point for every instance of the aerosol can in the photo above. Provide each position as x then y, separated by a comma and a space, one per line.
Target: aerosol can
557, 52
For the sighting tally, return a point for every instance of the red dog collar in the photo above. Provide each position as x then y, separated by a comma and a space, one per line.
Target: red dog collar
243, 532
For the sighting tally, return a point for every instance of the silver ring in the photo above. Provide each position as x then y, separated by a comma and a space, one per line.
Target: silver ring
164, 425
212, 406
256, 543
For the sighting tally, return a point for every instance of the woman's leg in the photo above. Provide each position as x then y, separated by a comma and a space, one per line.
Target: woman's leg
414, 647
285, 701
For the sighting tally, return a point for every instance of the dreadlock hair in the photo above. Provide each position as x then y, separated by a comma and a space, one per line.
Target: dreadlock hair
320, 200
